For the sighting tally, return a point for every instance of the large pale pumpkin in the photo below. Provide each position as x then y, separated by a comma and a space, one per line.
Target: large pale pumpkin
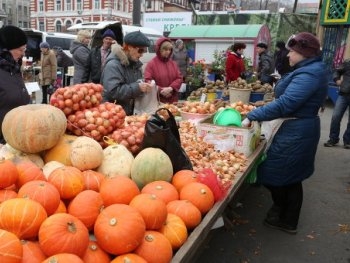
34, 128
117, 160
86, 153
151, 164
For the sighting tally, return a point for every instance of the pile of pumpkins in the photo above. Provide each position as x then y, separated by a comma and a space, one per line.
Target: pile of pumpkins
63, 198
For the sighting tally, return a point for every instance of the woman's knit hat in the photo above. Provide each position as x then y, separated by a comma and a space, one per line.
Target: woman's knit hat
12, 37
305, 44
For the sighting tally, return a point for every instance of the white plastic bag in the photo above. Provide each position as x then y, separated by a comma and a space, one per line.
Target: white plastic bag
148, 102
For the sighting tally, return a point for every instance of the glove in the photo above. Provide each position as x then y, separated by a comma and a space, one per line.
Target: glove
246, 123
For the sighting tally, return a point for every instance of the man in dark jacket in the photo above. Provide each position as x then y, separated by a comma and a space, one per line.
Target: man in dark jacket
341, 77
97, 58
63, 61
266, 66
281, 58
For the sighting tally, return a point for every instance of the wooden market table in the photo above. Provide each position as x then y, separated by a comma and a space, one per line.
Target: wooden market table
197, 237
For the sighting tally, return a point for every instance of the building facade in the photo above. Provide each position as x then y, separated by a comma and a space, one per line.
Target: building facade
15, 12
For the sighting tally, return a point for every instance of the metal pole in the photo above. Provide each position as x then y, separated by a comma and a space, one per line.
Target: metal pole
136, 12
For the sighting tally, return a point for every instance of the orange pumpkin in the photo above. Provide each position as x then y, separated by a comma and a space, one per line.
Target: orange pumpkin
183, 177
11, 250
63, 233
162, 189
8, 173
152, 209
32, 252
60, 152
68, 180
43, 192
198, 194
34, 128
63, 258
28, 171
86, 206
22, 217
94, 254
129, 258
92, 180
174, 229
187, 211
155, 247
6, 194
118, 190
119, 222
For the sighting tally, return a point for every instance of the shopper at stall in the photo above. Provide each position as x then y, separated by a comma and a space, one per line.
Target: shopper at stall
13, 92
281, 58
80, 51
341, 77
63, 61
122, 75
97, 58
234, 63
180, 56
291, 155
164, 71
266, 64
48, 74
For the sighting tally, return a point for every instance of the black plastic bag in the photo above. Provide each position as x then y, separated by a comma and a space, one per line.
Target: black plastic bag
164, 134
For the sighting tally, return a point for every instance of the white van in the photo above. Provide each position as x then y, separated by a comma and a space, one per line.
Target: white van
119, 31
35, 37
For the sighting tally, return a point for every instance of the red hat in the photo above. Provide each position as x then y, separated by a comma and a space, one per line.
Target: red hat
305, 44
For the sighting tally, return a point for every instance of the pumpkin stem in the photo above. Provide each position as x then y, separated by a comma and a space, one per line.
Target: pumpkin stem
72, 228
113, 221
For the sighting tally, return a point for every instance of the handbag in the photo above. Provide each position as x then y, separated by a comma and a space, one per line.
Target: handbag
163, 133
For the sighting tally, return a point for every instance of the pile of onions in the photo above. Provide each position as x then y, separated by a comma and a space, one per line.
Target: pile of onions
77, 97
199, 107
131, 136
97, 122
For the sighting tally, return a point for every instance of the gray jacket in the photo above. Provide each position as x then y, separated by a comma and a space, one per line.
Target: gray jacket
119, 79
80, 54
343, 71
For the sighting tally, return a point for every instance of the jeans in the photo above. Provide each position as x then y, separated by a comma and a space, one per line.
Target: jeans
342, 103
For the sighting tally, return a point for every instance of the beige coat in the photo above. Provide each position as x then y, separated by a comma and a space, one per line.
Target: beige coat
48, 74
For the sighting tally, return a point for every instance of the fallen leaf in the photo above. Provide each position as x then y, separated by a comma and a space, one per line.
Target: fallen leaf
310, 236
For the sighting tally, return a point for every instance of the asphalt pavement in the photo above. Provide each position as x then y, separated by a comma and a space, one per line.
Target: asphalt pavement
324, 226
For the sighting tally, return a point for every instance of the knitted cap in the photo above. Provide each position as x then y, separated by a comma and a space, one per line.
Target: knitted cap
108, 33
44, 45
178, 42
137, 39
12, 37
305, 44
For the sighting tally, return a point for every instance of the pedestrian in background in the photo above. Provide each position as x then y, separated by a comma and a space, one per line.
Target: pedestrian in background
13, 93
48, 74
97, 58
281, 58
341, 77
80, 51
266, 64
164, 71
291, 156
63, 61
122, 77
234, 66
180, 56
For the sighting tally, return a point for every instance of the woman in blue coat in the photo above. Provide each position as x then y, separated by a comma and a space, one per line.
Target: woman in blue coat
291, 155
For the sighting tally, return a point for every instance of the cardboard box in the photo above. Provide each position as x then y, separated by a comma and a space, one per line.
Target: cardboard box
227, 138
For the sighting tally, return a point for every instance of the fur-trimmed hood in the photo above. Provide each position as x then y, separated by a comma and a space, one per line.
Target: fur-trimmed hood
118, 52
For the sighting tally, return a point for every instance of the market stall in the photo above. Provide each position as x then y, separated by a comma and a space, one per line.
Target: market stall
199, 234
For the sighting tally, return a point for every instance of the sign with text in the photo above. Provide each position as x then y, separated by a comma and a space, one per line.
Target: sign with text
165, 22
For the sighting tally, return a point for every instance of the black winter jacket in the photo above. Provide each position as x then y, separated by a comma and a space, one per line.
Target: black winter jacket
93, 68
343, 71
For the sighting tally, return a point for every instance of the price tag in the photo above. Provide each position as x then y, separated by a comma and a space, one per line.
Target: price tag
32, 87
203, 97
